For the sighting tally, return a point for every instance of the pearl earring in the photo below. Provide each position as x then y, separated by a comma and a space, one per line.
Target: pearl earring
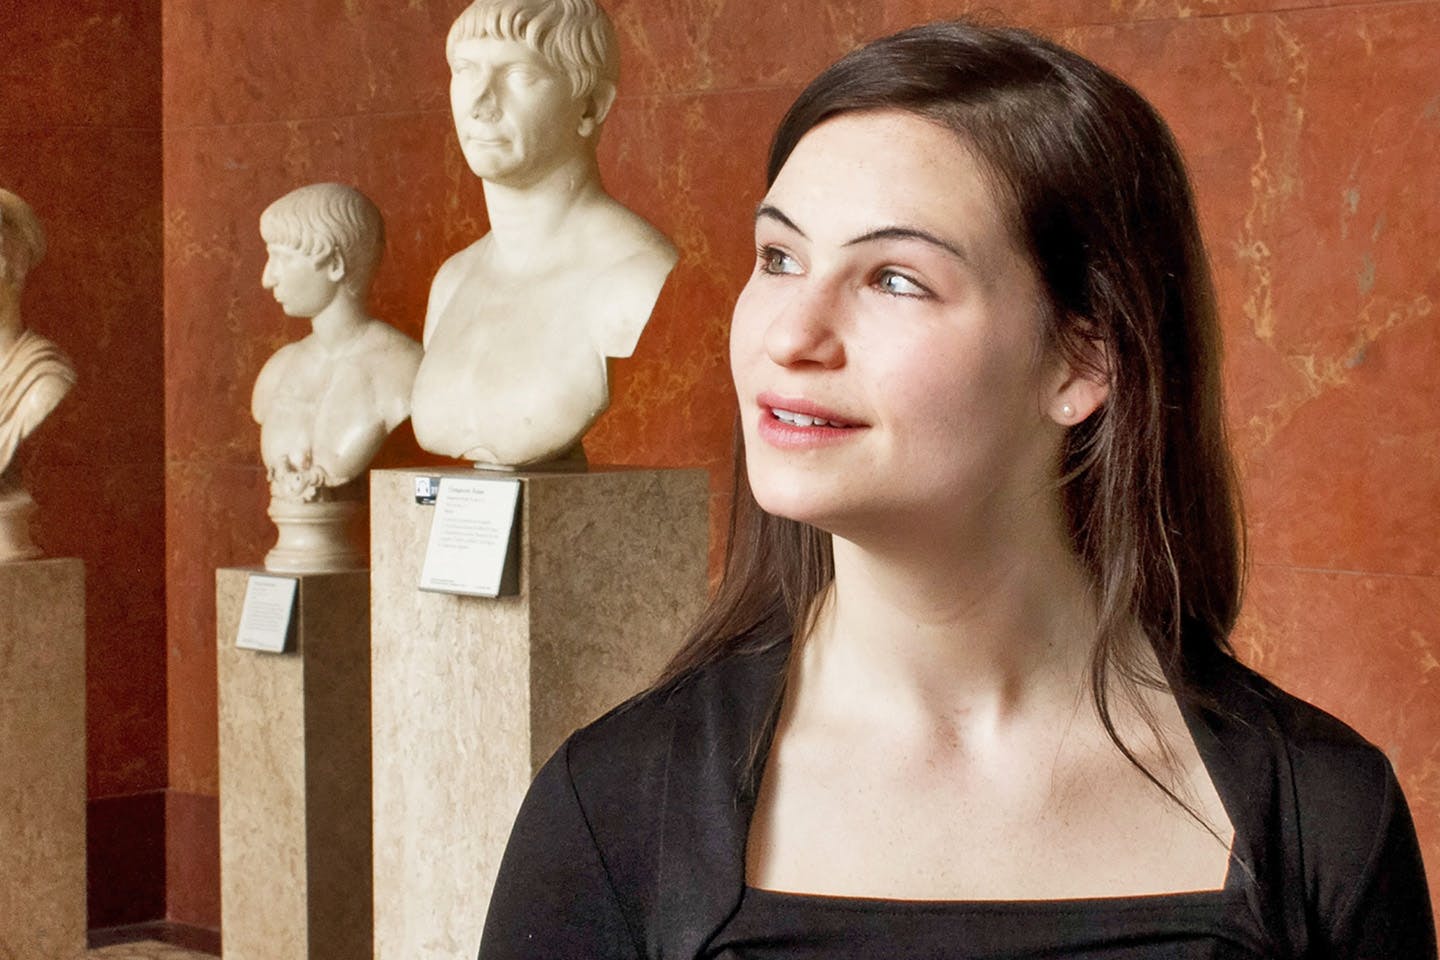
1066, 411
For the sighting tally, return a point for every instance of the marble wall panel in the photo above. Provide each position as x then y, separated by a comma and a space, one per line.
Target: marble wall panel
1305, 156
1046, 15
92, 63
244, 62
690, 46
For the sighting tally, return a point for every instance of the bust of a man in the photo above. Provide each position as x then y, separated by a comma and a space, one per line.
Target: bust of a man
521, 323
34, 374
326, 403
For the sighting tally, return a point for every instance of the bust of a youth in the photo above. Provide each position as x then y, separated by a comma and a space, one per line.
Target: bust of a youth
326, 403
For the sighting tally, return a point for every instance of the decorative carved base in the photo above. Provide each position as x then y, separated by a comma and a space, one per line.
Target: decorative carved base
314, 537
16, 508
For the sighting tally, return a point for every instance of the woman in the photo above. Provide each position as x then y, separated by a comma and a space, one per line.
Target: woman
966, 690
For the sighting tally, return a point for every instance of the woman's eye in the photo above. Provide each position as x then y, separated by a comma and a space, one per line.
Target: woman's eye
899, 285
775, 260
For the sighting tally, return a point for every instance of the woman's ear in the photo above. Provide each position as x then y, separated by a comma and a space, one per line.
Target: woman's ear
1080, 384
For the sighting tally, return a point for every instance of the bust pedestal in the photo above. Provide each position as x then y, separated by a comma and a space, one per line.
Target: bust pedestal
42, 756
16, 508
471, 695
295, 775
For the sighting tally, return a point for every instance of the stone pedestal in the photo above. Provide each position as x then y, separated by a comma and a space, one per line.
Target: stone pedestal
295, 828
471, 695
42, 759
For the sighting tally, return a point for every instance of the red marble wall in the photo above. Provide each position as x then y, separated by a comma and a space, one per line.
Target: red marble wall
80, 141
1312, 134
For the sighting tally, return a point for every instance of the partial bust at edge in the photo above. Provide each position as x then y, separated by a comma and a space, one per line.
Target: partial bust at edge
34, 375
521, 324
326, 403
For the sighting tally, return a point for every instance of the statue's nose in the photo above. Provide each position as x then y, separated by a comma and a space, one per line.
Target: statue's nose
486, 105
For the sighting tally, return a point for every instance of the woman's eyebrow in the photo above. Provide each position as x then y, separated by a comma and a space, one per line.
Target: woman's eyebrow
768, 212
910, 233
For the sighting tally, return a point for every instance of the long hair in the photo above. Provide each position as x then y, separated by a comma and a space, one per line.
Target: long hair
1096, 190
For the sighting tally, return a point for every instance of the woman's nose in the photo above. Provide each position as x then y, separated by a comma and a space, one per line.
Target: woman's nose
806, 331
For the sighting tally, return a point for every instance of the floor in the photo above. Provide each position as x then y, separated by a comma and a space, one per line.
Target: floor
145, 950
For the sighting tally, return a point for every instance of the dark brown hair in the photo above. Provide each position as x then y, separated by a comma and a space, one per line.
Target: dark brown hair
1096, 190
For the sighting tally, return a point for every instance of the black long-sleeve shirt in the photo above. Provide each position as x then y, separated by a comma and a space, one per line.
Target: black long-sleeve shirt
631, 841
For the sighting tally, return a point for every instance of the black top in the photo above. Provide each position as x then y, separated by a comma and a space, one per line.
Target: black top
631, 841
1180, 926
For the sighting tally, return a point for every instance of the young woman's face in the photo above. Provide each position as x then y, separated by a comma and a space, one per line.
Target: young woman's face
887, 348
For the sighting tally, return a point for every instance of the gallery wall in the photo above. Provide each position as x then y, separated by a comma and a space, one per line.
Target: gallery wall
80, 141
1313, 135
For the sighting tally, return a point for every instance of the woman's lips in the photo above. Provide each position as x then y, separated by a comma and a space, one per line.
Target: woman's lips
795, 423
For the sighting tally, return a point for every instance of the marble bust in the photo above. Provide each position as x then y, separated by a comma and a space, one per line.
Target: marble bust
326, 403
521, 324
34, 374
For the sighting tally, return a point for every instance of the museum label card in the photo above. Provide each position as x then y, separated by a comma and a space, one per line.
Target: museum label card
472, 539
265, 618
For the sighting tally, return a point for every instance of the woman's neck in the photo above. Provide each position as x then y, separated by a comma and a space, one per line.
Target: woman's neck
982, 634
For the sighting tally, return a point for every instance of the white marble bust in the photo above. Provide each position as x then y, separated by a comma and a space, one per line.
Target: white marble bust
521, 324
34, 374
327, 402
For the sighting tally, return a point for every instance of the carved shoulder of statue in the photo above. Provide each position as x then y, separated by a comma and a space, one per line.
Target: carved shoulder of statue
447, 280
631, 287
395, 360
268, 383
40, 400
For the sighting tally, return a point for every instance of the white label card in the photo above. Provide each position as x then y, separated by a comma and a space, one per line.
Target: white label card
470, 539
265, 619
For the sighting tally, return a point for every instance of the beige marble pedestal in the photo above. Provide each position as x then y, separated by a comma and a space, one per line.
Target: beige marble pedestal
295, 827
42, 759
471, 695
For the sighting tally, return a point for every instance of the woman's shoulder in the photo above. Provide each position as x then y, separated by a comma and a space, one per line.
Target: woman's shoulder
1319, 746
1327, 803
721, 704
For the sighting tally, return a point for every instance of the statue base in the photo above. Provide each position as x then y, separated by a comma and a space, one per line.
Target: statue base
42, 754
295, 776
314, 537
16, 508
470, 695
